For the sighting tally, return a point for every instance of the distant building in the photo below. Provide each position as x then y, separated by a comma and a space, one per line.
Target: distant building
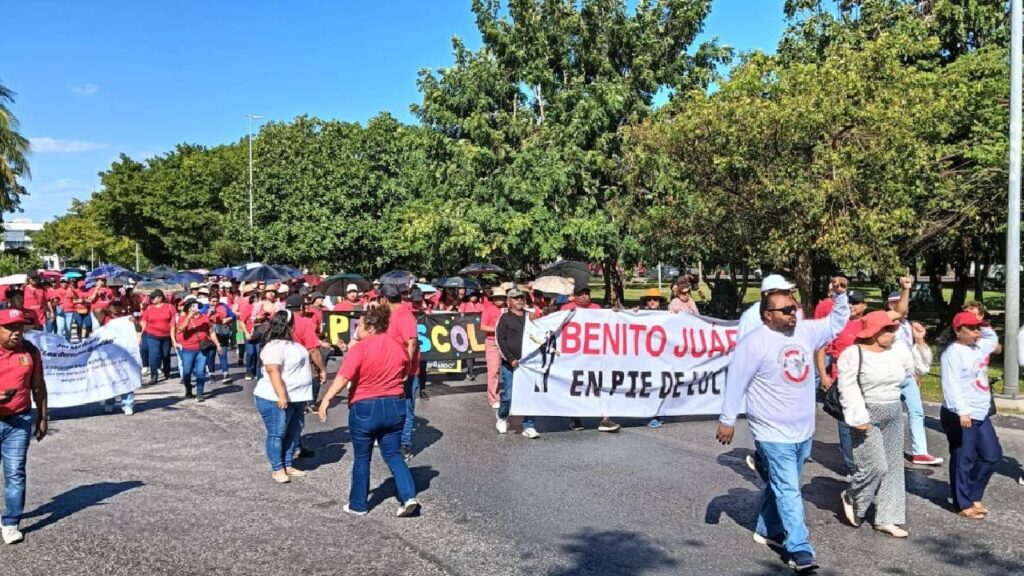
18, 234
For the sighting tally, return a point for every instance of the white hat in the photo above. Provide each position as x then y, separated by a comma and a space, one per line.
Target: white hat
351, 288
775, 283
282, 289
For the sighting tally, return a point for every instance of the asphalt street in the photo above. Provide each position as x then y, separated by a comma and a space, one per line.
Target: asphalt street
184, 488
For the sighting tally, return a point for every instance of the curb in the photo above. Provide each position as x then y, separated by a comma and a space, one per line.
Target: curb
1011, 421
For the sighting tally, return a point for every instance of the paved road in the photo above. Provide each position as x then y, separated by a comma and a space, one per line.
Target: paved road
183, 488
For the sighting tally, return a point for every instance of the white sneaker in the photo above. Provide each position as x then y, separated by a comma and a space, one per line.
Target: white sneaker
353, 512
765, 541
145, 370
495, 405
410, 507
12, 535
129, 411
750, 463
531, 433
501, 425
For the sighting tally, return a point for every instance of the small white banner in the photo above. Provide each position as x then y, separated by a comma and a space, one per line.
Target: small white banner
105, 365
626, 364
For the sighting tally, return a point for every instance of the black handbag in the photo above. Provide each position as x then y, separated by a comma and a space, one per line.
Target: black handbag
257, 333
831, 403
206, 345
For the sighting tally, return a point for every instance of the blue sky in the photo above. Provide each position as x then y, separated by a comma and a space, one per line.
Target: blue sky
94, 79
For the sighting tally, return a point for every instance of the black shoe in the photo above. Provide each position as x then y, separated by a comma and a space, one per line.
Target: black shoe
575, 424
424, 395
188, 393
803, 562
407, 453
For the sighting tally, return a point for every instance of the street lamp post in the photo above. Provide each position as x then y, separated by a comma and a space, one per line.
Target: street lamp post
251, 117
1011, 375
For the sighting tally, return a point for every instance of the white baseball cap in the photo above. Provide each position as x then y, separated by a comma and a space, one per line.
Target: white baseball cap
282, 289
351, 288
775, 283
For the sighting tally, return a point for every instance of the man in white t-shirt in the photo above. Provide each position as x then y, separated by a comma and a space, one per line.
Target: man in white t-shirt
772, 371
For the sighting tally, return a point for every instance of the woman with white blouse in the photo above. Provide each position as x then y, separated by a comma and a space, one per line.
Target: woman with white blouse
871, 374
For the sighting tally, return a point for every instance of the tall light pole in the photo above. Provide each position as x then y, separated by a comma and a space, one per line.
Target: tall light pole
251, 117
1011, 375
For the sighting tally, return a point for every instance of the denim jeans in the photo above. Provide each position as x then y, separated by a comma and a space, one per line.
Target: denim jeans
283, 428
412, 390
505, 404
193, 363
159, 350
252, 360
15, 435
82, 323
974, 454
910, 393
379, 419
225, 345
782, 505
846, 446
64, 323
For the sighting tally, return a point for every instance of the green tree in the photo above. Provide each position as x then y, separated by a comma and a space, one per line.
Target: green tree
14, 150
80, 235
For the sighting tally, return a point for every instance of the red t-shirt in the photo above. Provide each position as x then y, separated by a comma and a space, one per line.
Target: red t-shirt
471, 307
376, 367
67, 299
316, 315
403, 327
574, 306
304, 332
346, 306
158, 320
489, 317
195, 331
823, 309
35, 302
16, 369
846, 338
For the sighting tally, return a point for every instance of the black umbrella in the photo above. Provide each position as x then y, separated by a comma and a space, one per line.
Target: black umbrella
578, 271
161, 272
265, 273
336, 285
453, 282
481, 269
290, 271
399, 277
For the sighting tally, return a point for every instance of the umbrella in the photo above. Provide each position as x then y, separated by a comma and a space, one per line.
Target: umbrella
161, 272
227, 272
481, 269
105, 271
426, 288
73, 273
289, 271
14, 279
265, 274
185, 278
554, 285
336, 285
453, 282
202, 271
123, 278
313, 280
50, 275
400, 277
578, 271
147, 287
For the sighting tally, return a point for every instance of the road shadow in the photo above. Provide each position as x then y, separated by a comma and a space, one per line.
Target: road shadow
95, 409
424, 435
422, 476
828, 455
929, 484
221, 390
739, 504
973, 558
76, 500
328, 447
618, 552
823, 492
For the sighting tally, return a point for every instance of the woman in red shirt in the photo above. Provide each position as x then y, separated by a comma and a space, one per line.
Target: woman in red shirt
66, 295
193, 331
83, 313
375, 368
156, 332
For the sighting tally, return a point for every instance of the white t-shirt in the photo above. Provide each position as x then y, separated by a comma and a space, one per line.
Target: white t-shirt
774, 373
295, 371
965, 387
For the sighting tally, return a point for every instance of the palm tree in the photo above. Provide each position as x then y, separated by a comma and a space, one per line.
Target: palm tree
13, 151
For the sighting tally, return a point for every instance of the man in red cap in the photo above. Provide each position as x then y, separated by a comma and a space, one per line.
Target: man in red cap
21, 375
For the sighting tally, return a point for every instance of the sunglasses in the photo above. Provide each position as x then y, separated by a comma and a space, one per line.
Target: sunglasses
786, 310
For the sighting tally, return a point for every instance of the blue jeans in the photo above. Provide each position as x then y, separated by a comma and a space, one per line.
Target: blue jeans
15, 435
82, 323
846, 446
193, 363
252, 360
283, 427
64, 323
379, 419
782, 506
159, 350
505, 397
974, 454
412, 390
910, 393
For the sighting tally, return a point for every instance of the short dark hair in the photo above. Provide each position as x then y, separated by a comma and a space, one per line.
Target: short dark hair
766, 302
280, 327
377, 318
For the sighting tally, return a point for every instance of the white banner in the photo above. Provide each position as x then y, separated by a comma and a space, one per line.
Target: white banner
626, 364
105, 365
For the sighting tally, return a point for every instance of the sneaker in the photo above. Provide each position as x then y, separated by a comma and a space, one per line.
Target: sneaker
354, 512
607, 425
108, 408
410, 507
531, 433
406, 452
751, 463
12, 535
128, 411
926, 460
248, 378
501, 425
851, 514
893, 530
654, 423
281, 477
775, 541
803, 562
495, 405
189, 394
575, 424
424, 395
145, 370
294, 473
227, 378
200, 397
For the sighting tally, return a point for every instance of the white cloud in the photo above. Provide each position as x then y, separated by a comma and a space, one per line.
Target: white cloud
45, 144
87, 89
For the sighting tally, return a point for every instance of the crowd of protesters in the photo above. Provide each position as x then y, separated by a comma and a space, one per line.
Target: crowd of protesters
874, 359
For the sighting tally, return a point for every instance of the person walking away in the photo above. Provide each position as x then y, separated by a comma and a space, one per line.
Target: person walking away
156, 322
21, 384
282, 393
375, 368
193, 331
404, 329
493, 308
871, 376
508, 336
974, 449
771, 373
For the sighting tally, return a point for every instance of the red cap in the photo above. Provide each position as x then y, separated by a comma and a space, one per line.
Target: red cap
967, 319
874, 323
11, 316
